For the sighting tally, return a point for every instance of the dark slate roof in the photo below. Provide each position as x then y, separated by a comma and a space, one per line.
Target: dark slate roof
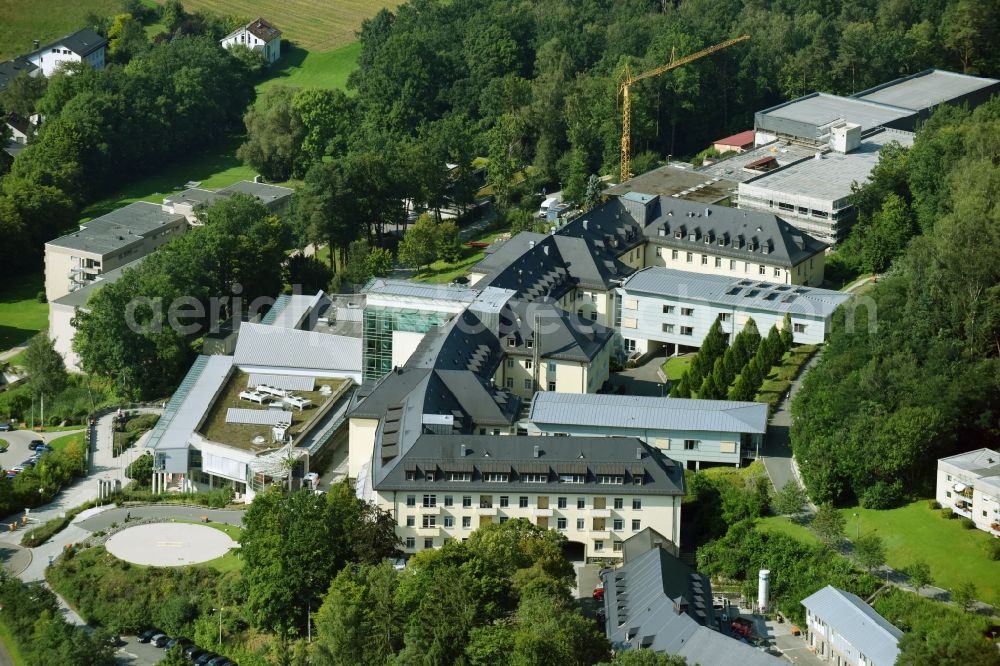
82, 42
501, 253
438, 454
730, 232
536, 273
653, 602
262, 29
17, 122
561, 335
11, 69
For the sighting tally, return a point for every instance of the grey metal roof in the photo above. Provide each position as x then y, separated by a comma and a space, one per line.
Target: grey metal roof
682, 180
857, 622
745, 294
280, 303
190, 402
79, 298
729, 232
248, 416
11, 69
277, 347
639, 604
297, 308
629, 411
830, 177
420, 290
927, 89
118, 229
266, 193
194, 196
807, 116
82, 42
662, 476
287, 382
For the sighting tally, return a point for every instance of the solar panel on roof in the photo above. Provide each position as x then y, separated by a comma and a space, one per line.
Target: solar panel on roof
268, 417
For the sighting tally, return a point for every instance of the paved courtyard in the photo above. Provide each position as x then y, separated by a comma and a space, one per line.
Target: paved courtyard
169, 544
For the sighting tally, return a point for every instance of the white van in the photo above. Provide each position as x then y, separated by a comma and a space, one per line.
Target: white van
551, 202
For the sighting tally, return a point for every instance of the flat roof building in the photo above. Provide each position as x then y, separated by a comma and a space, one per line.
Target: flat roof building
925, 91
969, 485
680, 180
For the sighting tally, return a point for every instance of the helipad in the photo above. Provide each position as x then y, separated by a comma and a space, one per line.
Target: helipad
169, 544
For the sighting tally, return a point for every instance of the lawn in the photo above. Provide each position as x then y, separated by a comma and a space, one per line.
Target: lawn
21, 315
442, 272
231, 561
315, 26
675, 366
916, 532
7, 638
299, 68
783, 525
44, 20
60, 443
214, 168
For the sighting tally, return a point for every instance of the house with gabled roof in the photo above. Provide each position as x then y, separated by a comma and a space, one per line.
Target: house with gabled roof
844, 630
257, 35
84, 45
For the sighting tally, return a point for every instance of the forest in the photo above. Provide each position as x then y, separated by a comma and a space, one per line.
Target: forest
914, 375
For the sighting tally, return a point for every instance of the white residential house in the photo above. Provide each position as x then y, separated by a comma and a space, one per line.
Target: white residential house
258, 35
844, 630
81, 46
969, 485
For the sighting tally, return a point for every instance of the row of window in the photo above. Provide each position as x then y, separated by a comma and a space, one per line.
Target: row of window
411, 544
430, 522
530, 477
689, 258
429, 501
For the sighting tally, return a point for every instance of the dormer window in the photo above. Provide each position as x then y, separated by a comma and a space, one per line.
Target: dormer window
678, 235
692, 238
708, 238
722, 240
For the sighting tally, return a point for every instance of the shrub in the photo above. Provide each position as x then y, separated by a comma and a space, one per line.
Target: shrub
40, 297
882, 495
968, 523
934, 505
142, 423
947, 513
993, 549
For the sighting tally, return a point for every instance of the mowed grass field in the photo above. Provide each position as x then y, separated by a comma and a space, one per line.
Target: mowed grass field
314, 25
299, 68
21, 315
45, 20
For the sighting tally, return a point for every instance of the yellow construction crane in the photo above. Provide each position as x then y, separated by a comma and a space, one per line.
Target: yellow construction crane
629, 80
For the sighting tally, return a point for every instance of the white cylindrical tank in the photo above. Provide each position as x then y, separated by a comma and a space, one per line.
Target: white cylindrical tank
763, 589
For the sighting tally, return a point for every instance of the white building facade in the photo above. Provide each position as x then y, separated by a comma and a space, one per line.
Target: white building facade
969, 485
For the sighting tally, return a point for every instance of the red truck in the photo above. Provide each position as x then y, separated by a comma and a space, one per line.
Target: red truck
742, 626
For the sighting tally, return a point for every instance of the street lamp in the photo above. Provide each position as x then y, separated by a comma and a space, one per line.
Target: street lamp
857, 524
220, 622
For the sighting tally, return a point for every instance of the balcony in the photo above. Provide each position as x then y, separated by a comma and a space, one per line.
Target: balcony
429, 510
599, 513
428, 531
487, 510
600, 534
542, 512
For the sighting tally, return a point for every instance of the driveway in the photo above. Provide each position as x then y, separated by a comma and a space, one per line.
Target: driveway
641, 380
777, 454
17, 445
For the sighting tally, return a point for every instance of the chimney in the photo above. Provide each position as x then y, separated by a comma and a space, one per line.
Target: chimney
464, 450
536, 452
638, 453
531, 243
546, 250
35, 44
708, 211
585, 225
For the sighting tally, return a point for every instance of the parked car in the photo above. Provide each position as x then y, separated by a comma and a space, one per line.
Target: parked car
7, 426
183, 642
147, 634
598, 593
205, 658
17, 469
27, 464
192, 652
114, 640
218, 661
742, 626
159, 640
312, 478
34, 444
11, 473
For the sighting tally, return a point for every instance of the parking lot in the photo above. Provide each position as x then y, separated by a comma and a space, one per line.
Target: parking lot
17, 446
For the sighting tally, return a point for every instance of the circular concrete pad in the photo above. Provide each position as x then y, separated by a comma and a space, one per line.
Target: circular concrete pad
169, 544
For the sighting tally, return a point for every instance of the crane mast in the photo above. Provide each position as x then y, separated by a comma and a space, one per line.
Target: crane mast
629, 80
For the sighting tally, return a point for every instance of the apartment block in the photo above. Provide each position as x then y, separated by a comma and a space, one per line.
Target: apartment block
969, 485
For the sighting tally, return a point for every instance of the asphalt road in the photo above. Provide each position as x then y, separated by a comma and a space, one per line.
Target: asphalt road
17, 445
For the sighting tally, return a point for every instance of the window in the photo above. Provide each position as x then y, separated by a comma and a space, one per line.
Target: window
552, 366
467, 502
659, 251
466, 521
704, 260
580, 524
430, 501
552, 386
777, 272
593, 315
509, 382
496, 477
428, 543
529, 343
528, 364
410, 543
637, 479
687, 330
732, 264
486, 501
610, 479
411, 500
718, 262
636, 525
449, 500
947, 493
629, 322
503, 519
522, 502
618, 524
799, 328
687, 312
619, 502
561, 502
598, 545
527, 384
668, 328
504, 501
561, 523
636, 504
411, 475
535, 478
616, 546
725, 316
668, 309
512, 342
690, 257
449, 521
510, 363
572, 478
428, 521
459, 476
690, 445
581, 502
410, 521
673, 255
